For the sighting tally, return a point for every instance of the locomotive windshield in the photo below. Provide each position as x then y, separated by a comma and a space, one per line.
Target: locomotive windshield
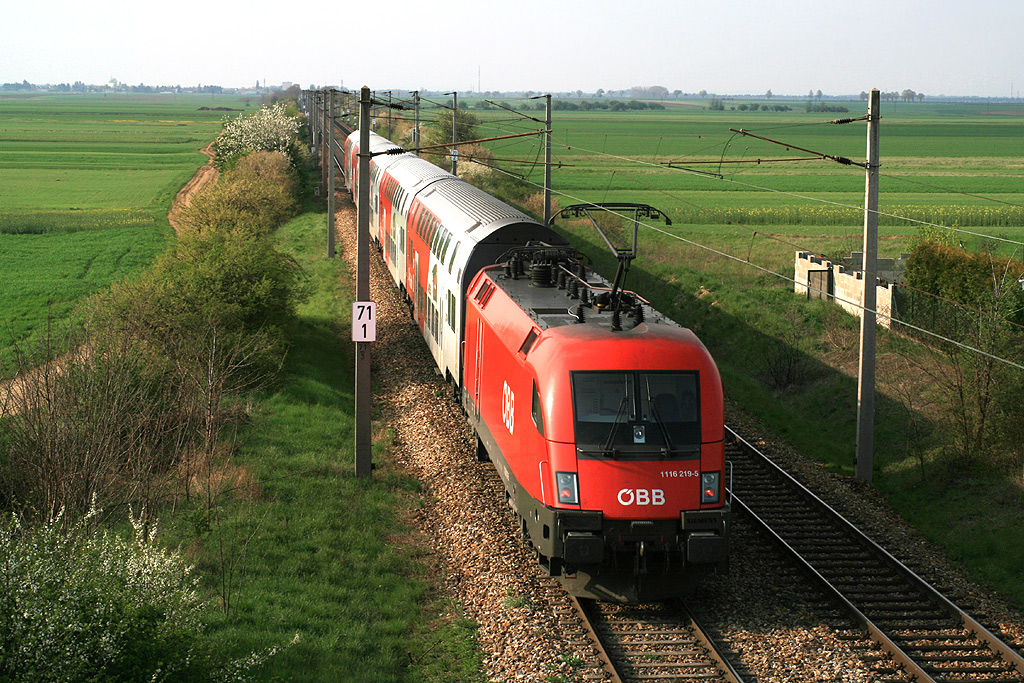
636, 414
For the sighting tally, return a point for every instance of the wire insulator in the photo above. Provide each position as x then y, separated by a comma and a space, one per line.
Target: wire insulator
540, 275
844, 161
840, 122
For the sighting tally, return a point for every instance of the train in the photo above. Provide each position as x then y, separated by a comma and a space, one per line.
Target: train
603, 418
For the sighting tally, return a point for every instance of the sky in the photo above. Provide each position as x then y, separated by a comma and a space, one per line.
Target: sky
728, 47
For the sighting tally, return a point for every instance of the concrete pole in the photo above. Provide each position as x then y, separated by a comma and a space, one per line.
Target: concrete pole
323, 138
416, 130
330, 176
311, 116
866, 382
455, 133
547, 161
363, 445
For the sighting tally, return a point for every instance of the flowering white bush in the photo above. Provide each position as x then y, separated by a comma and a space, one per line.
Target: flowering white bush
82, 605
268, 130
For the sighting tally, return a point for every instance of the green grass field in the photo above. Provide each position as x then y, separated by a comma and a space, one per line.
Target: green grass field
85, 185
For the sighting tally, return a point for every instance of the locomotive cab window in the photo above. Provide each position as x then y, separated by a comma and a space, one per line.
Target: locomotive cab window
536, 411
636, 414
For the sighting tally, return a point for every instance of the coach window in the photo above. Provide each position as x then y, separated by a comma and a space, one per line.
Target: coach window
454, 252
444, 247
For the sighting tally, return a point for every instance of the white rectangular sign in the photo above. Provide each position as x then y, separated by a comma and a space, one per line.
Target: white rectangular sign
364, 321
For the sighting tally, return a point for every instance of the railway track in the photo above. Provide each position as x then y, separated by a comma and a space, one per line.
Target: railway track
927, 636
657, 642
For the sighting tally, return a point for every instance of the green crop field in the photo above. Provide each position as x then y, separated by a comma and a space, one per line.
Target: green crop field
955, 165
85, 185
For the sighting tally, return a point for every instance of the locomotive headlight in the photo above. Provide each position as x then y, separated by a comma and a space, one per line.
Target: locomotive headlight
568, 488
709, 487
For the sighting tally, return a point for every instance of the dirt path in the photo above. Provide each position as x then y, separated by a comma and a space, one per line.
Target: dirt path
12, 391
204, 177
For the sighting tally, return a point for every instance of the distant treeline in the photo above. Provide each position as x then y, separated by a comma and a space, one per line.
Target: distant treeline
584, 105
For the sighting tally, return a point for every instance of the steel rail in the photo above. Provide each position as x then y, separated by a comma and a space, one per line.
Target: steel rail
606, 661
968, 623
714, 660
729, 672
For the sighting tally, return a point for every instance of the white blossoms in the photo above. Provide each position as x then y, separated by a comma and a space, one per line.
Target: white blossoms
270, 129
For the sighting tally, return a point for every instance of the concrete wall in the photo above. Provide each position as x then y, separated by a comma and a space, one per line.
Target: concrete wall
847, 286
805, 262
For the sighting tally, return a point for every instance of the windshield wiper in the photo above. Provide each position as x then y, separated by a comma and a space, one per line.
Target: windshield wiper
606, 445
669, 448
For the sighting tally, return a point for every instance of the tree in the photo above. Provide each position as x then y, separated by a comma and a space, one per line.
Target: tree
703, 94
600, 92
440, 131
768, 95
270, 129
659, 92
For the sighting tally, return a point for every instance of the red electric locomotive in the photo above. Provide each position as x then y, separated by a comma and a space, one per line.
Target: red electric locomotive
603, 418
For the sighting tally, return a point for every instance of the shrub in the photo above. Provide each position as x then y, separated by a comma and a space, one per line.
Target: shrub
255, 197
243, 277
95, 423
231, 289
958, 275
80, 605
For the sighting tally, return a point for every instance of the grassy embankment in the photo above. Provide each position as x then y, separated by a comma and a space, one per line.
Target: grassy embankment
85, 185
750, 319
310, 549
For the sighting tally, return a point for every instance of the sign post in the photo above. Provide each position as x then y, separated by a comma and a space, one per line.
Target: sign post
364, 321
363, 445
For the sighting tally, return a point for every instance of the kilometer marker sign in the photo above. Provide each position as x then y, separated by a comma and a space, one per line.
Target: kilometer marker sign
364, 321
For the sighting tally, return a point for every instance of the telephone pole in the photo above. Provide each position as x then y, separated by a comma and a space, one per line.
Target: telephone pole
866, 381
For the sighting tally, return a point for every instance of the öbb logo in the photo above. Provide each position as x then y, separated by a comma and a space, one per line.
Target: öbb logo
641, 497
508, 405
